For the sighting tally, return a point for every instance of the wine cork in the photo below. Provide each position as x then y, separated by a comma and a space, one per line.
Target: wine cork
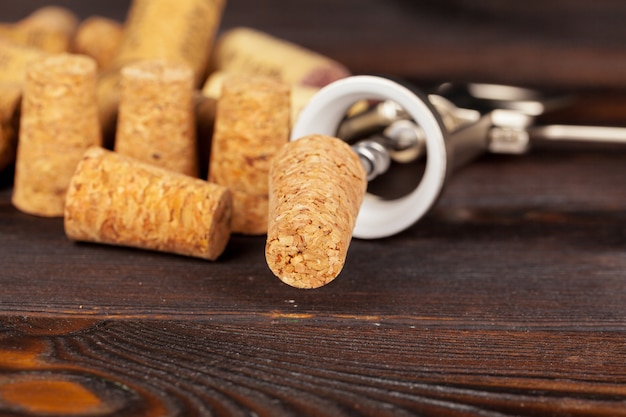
250, 51
317, 184
99, 38
156, 122
59, 121
251, 124
49, 28
176, 30
117, 200
300, 94
15, 59
173, 30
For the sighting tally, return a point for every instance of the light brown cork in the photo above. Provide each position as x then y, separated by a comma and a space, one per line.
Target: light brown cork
317, 184
117, 200
59, 121
251, 125
15, 60
176, 30
300, 94
156, 119
173, 30
246, 50
49, 29
98, 37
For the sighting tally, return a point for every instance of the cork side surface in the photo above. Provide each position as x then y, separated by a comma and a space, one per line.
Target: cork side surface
246, 50
176, 30
156, 119
59, 121
117, 200
252, 123
317, 184
99, 38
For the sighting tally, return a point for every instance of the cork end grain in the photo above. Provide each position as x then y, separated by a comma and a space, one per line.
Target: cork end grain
317, 184
117, 200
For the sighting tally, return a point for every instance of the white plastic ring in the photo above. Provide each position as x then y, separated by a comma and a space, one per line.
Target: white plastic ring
377, 217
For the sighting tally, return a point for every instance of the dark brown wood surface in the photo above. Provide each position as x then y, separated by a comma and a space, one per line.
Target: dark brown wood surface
509, 298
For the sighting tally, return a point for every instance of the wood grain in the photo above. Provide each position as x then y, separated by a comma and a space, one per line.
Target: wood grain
270, 367
507, 299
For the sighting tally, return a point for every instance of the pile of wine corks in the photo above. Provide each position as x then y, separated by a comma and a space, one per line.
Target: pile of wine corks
160, 182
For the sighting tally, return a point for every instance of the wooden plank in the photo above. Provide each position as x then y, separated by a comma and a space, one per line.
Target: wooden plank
288, 367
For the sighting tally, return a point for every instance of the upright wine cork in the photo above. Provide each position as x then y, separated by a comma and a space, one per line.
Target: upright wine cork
59, 121
250, 51
15, 59
114, 199
156, 120
300, 94
174, 30
251, 124
317, 184
49, 28
99, 38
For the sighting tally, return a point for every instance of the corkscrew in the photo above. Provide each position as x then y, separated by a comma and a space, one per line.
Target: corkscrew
431, 134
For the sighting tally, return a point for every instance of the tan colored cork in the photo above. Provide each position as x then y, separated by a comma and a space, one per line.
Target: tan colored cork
49, 28
300, 94
98, 37
246, 50
117, 200
15, 59
156, 120
317, 184
174, 30
59, 121
251, 124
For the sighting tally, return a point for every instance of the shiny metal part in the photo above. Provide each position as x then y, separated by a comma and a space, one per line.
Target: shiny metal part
374, 157
506, 128
404, 140
590, 134
488, 97
373, 120
509, 132
452, 116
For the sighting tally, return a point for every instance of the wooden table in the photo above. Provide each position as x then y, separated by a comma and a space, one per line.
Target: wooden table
509, 298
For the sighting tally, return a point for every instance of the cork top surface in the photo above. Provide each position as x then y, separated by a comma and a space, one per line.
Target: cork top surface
158, 69
71, 64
